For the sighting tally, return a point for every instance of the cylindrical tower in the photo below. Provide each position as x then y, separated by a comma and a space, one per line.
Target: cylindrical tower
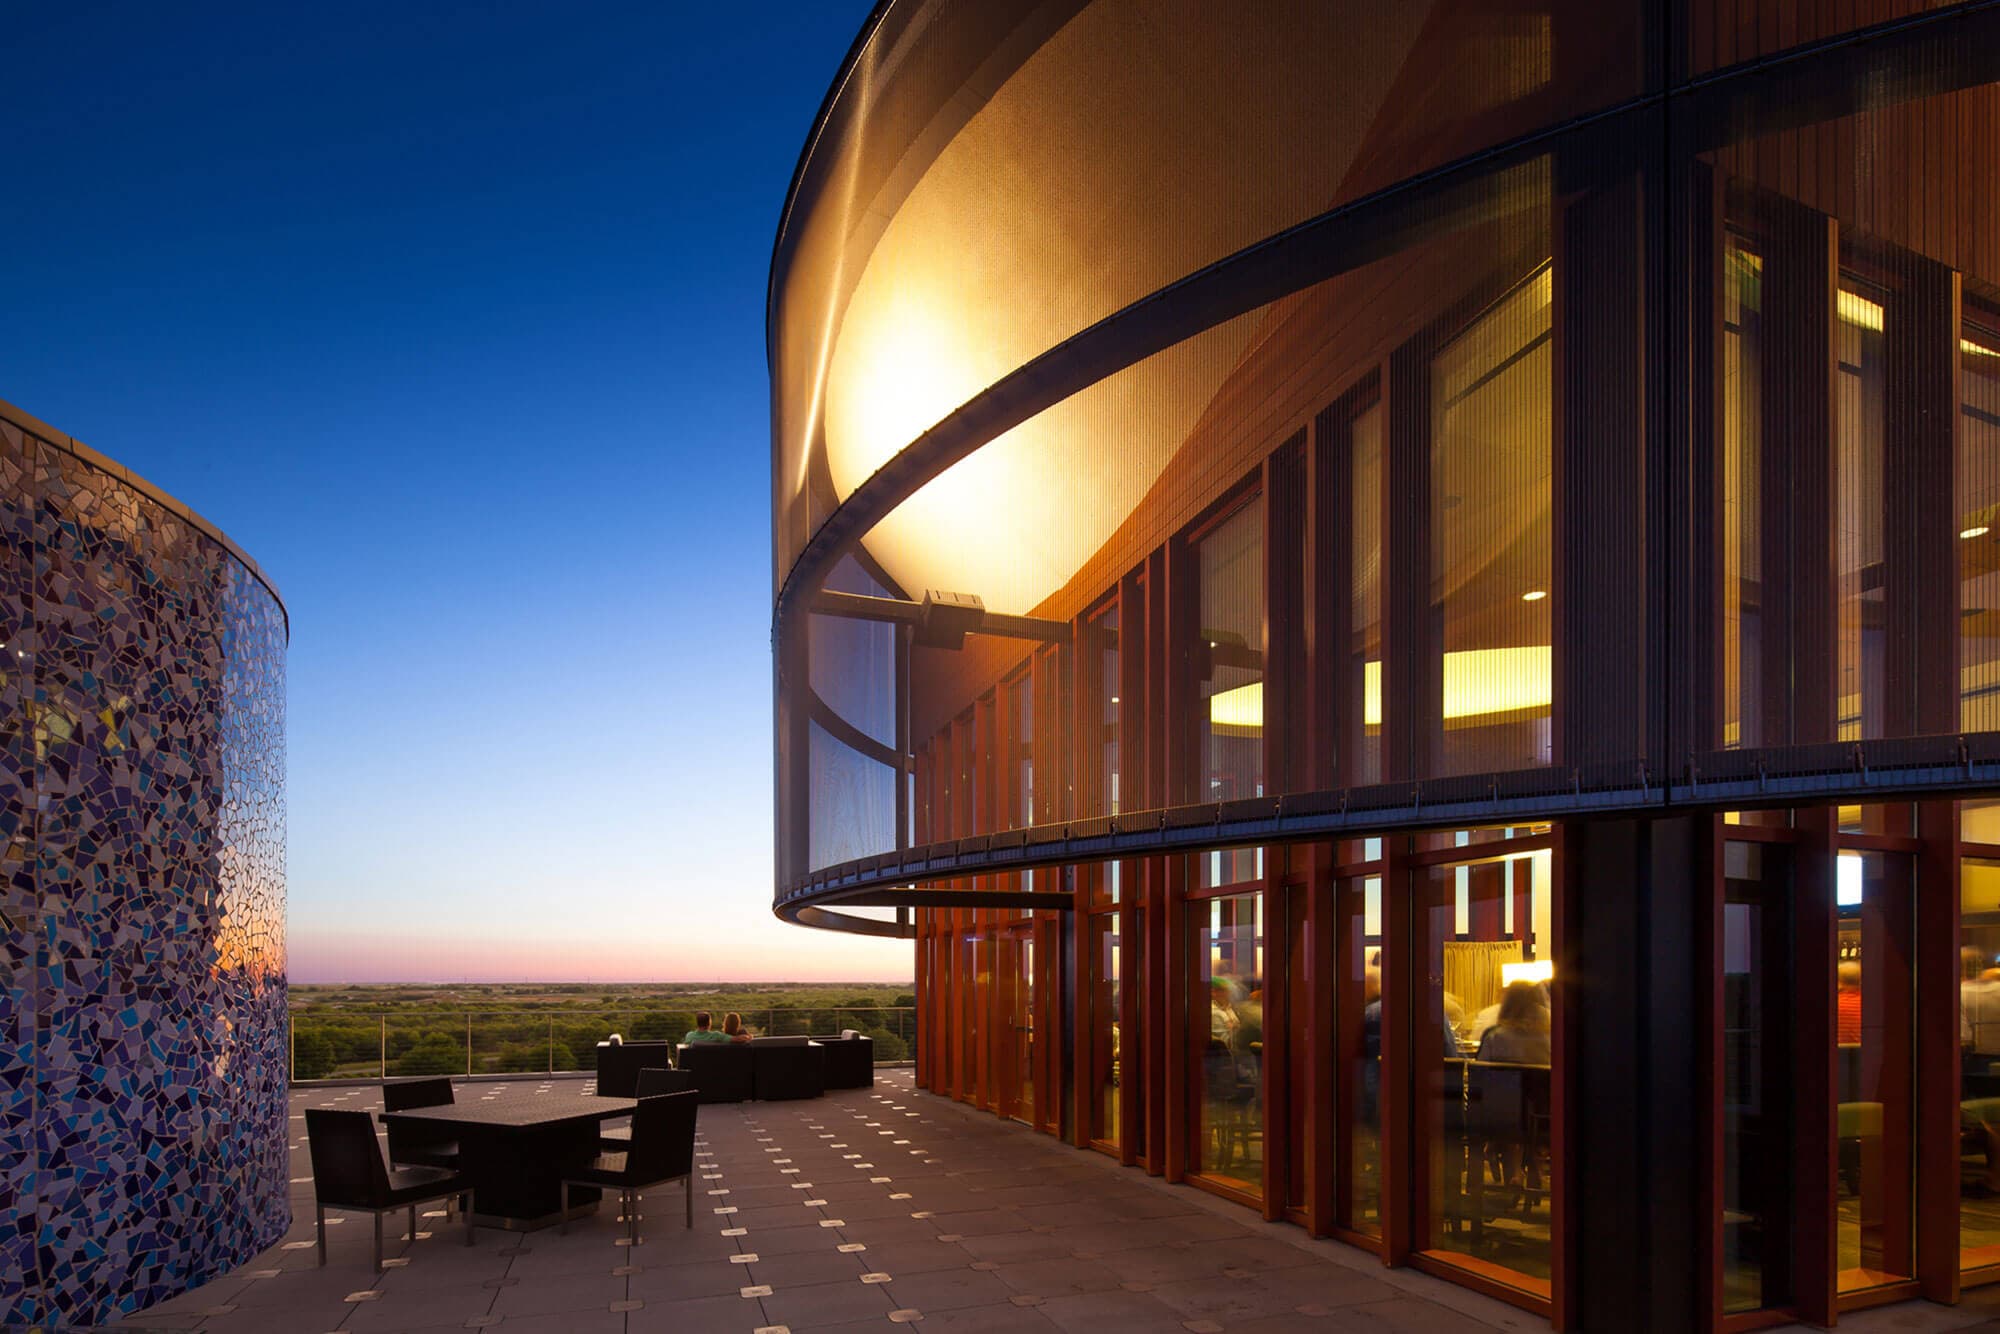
143, 1012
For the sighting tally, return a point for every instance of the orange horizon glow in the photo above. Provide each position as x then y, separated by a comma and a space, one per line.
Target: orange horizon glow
321, 958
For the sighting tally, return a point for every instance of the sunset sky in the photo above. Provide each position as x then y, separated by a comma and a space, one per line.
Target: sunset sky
453, 317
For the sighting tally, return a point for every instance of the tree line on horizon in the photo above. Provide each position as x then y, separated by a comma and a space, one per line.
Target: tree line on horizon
332, 1040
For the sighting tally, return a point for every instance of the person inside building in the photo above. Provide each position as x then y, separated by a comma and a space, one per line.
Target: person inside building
703, 1030
1520, 1031
1978, 1012
1848, 998
1222, 1018
733, 1028
1248, 1042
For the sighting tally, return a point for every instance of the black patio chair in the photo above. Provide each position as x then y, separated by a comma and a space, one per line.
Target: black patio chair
662, 1151
651, 1084
349, 1175
414, 1145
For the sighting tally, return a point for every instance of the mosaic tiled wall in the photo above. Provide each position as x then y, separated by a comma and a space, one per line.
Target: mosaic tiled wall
142, 979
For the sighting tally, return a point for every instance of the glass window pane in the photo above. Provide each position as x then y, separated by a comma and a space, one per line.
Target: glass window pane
1490, 524
1979, 529
1358, 1012
1484, 1058
1227, 998
1756, 1078
1742, 432
1106, 1024
1230, 667
1979, 1040
1859, 411
1872, 1069
1366, 596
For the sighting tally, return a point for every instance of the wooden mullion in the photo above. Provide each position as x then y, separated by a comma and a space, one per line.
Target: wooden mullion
1396, 1088
1274, 1066
1815, 1146
1938, 1061
1157, 954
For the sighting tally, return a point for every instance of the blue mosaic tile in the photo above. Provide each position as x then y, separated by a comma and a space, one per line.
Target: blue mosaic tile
142, 897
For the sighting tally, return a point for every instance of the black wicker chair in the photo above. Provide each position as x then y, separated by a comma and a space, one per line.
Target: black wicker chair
652, 1083
662, 1151
618, 1065
850, 1060
412, 1145
721, 1070
350, 1176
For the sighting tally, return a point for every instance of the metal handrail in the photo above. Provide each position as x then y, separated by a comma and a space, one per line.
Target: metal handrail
895, 1021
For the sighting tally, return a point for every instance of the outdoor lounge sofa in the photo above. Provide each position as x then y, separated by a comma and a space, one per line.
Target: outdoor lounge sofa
850, 1060
782, 1068
618, 1066
721, 1070
765, 1068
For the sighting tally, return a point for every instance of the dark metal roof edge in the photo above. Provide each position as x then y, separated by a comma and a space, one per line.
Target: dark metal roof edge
1953, 768
70, 445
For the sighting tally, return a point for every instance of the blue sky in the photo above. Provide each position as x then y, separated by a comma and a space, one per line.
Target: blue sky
452, 315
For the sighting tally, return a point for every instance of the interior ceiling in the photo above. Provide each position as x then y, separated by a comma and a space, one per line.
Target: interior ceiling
1135, 146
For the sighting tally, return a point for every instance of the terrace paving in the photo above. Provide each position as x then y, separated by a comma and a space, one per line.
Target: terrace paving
862, 1210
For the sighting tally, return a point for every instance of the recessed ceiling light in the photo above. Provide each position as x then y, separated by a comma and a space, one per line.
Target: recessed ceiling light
1534, 595
1977, 530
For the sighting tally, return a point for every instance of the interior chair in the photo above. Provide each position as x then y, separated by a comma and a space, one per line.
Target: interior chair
414, 1145
651, 1084
350, 1176
662, 1151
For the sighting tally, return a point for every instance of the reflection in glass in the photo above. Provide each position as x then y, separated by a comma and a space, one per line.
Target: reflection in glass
1018, 1039
1490, 558
1872, 1069
1226, 1001
1859, 411
1104, 633
1979, 1043
1742, 433
1230, 665
1979, 528
1756, 1078
1366, 597
1484, 1063
1358, 1012
1106, 1024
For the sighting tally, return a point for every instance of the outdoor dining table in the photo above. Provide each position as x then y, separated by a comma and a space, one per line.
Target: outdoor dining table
515, 1148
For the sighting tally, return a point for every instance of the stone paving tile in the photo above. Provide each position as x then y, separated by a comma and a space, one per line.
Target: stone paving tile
1057, 1278
1017, 1246
814, 1305
1226, 1301
944, 1289
1116, 1312
558, 1293
1045, 1223
914, 1257
807, 1268
677, 1283
413, 1306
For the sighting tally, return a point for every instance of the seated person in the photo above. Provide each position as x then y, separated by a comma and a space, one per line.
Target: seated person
703, 1030
733, 1027
1520, 1033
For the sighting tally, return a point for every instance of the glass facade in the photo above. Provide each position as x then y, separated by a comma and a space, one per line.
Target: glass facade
1226, 1018
1266, 548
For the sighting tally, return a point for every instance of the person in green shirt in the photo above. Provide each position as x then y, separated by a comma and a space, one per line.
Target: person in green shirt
701, 1032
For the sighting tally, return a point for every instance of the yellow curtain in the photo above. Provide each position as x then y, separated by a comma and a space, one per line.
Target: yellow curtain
1472, 970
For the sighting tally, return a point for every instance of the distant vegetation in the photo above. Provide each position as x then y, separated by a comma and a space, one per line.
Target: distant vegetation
528, 1027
